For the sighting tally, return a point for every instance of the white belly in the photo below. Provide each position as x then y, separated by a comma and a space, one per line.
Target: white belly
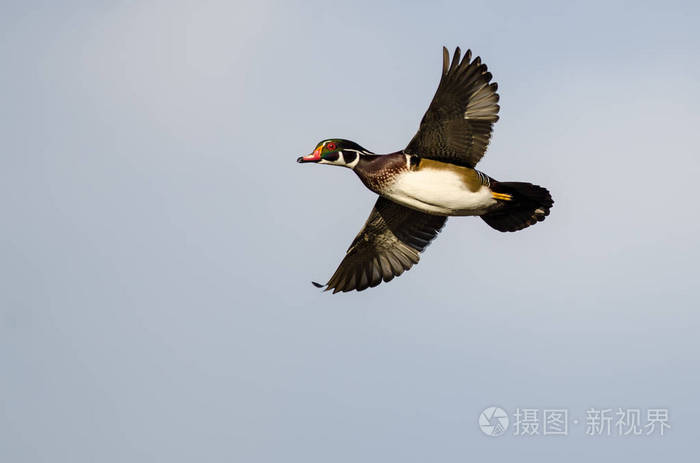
439, 192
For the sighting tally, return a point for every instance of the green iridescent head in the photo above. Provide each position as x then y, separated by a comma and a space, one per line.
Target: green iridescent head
336, 151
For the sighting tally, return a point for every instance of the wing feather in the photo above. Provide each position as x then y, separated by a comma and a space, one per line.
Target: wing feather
457, 126
389, 244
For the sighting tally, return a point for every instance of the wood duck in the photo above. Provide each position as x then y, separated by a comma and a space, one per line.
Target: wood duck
431, 179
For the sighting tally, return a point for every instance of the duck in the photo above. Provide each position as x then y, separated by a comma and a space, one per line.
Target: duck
432, 178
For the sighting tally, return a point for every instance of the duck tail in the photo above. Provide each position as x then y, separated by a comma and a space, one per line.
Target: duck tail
522, 204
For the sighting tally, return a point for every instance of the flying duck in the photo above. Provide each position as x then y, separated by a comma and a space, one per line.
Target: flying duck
429, 180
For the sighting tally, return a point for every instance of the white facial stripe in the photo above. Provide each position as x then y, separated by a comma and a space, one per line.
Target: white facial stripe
357, 158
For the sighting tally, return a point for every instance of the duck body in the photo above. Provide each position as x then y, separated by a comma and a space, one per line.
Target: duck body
426, 185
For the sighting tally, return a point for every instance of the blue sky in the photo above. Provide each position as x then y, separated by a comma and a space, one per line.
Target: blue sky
158, 238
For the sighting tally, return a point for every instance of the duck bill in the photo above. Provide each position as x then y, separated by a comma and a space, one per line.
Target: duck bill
313, 157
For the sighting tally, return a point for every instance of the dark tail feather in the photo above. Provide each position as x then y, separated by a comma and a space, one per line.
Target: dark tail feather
529, 204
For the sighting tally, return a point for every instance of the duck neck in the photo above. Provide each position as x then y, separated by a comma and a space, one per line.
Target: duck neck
377, 171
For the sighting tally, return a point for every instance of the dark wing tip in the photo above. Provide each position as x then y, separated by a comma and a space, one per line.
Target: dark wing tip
455, 59
318, 285
445, 60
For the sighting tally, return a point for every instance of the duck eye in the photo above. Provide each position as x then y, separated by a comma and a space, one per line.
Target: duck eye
331, 146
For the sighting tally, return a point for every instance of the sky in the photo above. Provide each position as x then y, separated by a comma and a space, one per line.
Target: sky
158, 239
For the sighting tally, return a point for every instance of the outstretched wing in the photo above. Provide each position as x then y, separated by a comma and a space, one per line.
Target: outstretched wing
388, 244
457, 126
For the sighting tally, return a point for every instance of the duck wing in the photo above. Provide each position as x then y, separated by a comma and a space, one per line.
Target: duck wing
389, 244
457, 126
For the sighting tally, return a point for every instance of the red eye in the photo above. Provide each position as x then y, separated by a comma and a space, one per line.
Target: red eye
331, 146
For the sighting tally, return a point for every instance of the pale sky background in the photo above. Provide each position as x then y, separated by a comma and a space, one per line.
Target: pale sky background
157, 237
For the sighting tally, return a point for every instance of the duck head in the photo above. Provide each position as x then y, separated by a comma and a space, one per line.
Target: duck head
337, 152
